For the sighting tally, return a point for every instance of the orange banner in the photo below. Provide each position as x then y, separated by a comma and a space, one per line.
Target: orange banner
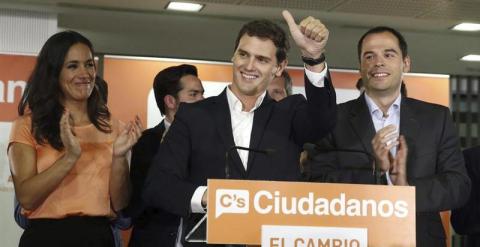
15, 70
237, 209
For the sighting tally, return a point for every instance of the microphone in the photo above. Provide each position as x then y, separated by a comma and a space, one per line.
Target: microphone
197, 234
267, 151
377, 173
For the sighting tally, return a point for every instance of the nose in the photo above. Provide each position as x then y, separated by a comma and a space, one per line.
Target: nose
250, 64
379, 61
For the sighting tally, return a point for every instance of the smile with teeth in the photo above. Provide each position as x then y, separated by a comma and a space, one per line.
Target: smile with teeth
380, 74
249, 76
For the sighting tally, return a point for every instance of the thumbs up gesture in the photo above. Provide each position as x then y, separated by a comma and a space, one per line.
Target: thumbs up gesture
310, 36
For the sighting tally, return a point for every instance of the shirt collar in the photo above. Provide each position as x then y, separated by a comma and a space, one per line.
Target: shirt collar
375, 110
236, 105
167, 124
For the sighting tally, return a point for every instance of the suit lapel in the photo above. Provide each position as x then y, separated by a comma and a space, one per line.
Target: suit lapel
361, 123
260, 120
409, 127
221, 115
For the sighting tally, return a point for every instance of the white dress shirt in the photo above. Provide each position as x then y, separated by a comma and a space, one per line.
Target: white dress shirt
380, 120
242, 123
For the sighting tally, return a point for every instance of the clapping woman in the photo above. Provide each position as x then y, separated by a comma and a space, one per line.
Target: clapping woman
68, 156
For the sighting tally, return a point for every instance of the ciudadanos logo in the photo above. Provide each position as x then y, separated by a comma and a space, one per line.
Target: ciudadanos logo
231, 201
309, 204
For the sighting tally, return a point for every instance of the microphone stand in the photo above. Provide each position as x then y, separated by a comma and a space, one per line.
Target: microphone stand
267, 151
376, 172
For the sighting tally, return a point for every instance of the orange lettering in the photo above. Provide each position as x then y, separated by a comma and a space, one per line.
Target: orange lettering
356, 242
225, 203
337, 242
297, 241
323, 244
277, 242
310, 243
240, 202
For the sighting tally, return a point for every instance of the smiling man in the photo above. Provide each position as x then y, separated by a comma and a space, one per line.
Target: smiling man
203, 133
383, 123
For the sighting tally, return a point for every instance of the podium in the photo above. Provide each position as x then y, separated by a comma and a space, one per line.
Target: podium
312, 214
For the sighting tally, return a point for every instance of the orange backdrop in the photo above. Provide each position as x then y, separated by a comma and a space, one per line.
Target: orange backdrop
130, 80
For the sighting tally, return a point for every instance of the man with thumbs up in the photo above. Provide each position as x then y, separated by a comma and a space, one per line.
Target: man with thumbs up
205, 132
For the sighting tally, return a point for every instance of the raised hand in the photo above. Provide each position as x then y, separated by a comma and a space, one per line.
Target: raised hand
127, 138
70, 142
398, 172
384, 140
311, 35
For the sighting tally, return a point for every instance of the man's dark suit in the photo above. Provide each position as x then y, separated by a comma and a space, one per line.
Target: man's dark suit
466, 220
435, 164
151, 226
194, 148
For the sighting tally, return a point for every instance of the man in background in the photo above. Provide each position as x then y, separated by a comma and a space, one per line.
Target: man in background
466, 220
154, 226
280, 87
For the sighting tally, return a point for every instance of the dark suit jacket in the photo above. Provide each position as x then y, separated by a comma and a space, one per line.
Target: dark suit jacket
466, 220
194, 148
151, 226
435, 164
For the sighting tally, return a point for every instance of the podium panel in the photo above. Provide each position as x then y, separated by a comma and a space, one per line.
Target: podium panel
237, 210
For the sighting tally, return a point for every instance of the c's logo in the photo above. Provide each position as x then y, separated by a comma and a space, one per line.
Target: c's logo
231, 201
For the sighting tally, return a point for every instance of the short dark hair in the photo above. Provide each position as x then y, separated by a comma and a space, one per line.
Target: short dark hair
167, 82
265, 29
288, 82
43, 92
382, 29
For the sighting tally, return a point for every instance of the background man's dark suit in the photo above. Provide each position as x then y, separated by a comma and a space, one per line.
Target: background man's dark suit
151, 225
435, 164
194, 148
466, 220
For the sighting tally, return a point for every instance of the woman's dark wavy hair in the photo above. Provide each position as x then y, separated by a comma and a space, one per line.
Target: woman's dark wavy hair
43, 92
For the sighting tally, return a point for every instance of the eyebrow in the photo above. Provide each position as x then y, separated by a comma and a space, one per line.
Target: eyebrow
263, 57
391, 50
386, 50
367, 53
241, 50
256, 56
76, 61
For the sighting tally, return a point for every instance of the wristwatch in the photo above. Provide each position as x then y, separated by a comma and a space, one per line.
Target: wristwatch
311, 61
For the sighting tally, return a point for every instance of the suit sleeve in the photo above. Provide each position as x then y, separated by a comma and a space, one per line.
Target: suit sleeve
166, 184
139, 167
315, 119
466, 220
449, 187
